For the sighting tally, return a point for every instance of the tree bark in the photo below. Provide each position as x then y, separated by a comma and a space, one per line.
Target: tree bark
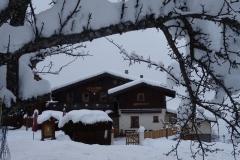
17, 19
13, 75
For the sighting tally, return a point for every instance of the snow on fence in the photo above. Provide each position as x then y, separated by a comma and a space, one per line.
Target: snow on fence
160, 133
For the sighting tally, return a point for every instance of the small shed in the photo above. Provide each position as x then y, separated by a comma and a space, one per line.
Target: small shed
87, 126
48, 120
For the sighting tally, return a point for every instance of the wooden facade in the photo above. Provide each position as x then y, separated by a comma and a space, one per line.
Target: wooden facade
92, 93
95, 87
152, 98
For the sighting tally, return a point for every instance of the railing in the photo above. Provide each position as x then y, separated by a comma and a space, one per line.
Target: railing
160, 133
83, 105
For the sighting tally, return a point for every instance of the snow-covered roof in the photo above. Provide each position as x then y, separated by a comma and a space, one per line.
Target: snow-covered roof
48, 114
139, 81
117, 74
170, 110
206, 116
85, 116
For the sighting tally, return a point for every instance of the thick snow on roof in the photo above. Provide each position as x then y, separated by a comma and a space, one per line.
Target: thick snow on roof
204, 116
85, 116
170, 110
122, 75
48, 114
136, 82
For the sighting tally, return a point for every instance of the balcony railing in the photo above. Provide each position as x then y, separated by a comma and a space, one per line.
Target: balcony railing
84, 105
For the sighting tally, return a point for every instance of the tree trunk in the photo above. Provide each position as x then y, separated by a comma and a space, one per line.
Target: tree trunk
13, 75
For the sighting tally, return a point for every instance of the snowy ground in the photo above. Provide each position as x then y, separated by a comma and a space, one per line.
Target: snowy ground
23, 147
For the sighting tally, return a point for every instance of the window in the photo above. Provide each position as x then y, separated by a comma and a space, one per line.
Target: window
85, 97
173, 119
134, 121
69, 97
155, 119
103, 96
140, 97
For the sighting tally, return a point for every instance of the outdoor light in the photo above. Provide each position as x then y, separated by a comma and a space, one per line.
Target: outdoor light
97, 105
86, 104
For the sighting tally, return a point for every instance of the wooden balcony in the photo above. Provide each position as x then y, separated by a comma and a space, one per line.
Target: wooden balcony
84, 105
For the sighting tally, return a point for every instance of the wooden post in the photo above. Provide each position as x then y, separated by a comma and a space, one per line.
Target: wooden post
27, 123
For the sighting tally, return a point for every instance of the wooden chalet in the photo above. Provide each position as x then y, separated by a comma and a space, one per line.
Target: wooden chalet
129, 101
90, 92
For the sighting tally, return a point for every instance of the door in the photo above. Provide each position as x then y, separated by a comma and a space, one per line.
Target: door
115, 125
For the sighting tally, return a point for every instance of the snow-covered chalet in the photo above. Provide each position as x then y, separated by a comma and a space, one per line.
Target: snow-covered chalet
130, 101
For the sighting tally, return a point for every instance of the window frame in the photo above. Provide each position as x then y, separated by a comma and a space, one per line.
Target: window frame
67, 97
101, 93
138, 97
131, 122
155, 120
83, 96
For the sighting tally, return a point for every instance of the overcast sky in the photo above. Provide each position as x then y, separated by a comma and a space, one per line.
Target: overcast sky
147, 43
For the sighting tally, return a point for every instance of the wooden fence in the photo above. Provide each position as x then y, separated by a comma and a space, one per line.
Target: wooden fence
160, 133
132, 138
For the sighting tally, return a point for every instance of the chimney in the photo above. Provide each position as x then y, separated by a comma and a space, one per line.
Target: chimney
126, 71
141, 76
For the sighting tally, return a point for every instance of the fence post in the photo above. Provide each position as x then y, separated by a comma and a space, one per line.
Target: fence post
141, 134
112, 137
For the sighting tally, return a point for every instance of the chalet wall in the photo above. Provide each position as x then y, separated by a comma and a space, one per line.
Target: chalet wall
205, 132
205, 127
103, 84
152, 98
145, 119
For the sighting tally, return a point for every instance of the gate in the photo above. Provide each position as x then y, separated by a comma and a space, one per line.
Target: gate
132, 138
